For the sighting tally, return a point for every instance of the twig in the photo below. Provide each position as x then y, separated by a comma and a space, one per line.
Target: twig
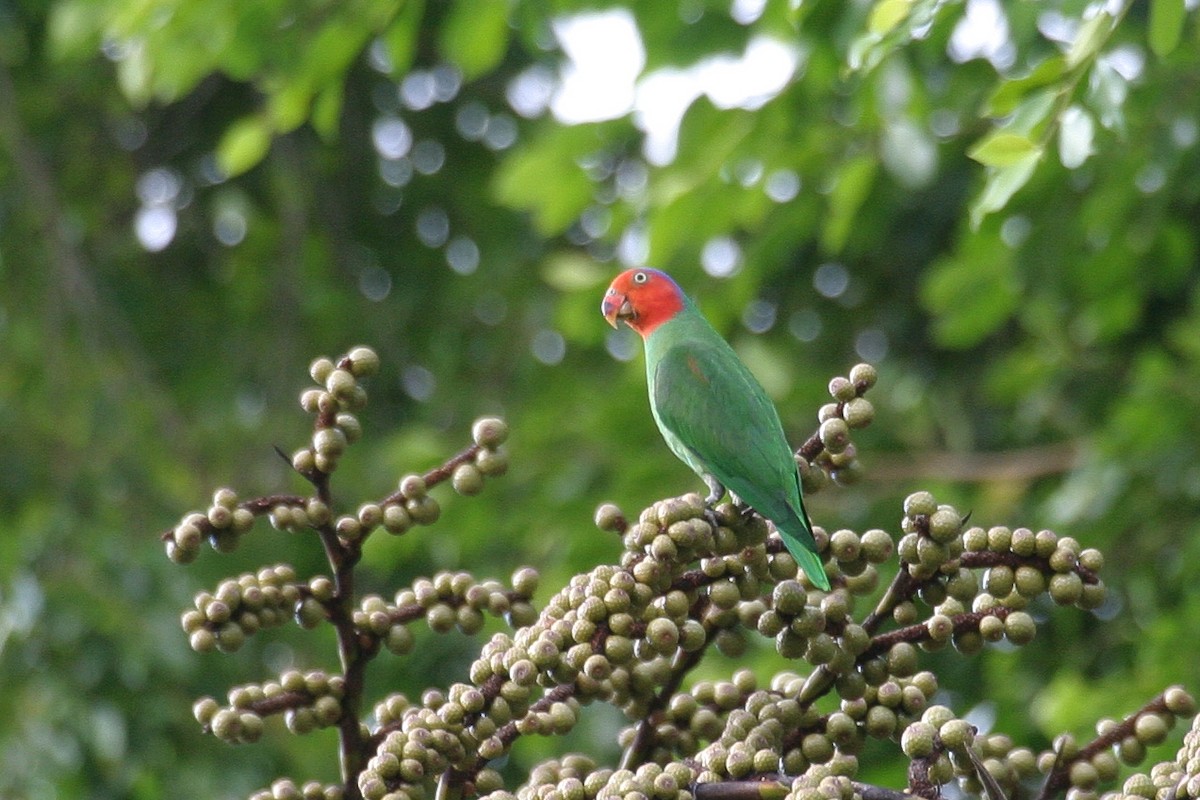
1060, 774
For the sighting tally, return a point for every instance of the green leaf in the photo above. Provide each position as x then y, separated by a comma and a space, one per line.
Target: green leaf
1033, 111
327, 111
475, 36
1008, 94
400, 38
1003, 148
244, 144
973, 292
1090, 38
1166, 25
545, 178
887, 14
852, 187
1002, 184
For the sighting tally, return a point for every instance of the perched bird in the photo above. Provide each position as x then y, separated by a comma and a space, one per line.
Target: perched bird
713, 414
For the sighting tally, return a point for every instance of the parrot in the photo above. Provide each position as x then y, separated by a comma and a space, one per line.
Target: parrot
713, 414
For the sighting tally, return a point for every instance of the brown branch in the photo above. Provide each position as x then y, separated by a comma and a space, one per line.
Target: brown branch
988, 558
1024, 464
1060, 776
257, 506
352, 656
918, 632
771, 787
643, 738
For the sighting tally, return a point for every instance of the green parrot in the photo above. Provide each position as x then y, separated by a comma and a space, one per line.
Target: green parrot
713, 414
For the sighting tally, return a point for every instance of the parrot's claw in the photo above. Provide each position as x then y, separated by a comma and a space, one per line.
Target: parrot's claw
715, 492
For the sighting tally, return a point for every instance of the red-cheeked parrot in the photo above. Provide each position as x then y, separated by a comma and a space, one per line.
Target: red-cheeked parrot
711, 411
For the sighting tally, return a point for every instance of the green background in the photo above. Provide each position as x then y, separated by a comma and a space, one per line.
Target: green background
1019, 238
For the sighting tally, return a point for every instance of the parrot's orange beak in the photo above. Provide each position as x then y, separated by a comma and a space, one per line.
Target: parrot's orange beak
616, 306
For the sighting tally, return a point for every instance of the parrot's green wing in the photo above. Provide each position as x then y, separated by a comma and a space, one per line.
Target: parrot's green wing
718, 420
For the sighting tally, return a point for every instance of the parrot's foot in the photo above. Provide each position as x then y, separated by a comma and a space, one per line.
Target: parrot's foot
715, 492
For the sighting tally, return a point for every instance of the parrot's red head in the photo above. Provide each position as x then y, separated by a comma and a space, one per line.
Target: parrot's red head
645, 298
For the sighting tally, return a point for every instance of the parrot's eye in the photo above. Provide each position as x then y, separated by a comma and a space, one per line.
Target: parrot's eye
640, 277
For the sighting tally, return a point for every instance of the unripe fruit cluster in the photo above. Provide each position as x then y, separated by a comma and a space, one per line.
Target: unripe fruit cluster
1179, 778
447, 601
239, 608
1036, 563
286, 789
411, 504
837, 458
1150, 726
334, 403
222, 524
423, 743
308, 701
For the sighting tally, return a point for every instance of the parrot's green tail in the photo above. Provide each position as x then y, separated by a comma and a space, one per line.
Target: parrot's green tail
809, 561
813, 568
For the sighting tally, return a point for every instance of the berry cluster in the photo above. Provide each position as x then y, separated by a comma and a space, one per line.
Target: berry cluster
690, 579
830, 449
1179, 778
308, 701
286, 789
334, 404
238, 608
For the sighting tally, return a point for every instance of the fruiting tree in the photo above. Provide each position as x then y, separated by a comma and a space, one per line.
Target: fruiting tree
630, 634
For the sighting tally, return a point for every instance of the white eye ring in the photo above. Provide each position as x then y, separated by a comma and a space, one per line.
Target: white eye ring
640, 277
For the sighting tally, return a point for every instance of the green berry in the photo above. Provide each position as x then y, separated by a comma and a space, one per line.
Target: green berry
919, 503
841, 389
489, 432
1083, 775
917, 740
370, 515
944, 524
340, 384
609, 518
998, 581
225, 724
396, 519
320, 369
816, 748
834, 434
858, 412
1091, 559
863, 376
881, 722
204, 710
1179, 702
1092, 596
363, 361
350, 426
1019, 627
423, 510
1066, 588
492, 462
412, 487
311, 400
1150, 729
467, 479
955, 733
999, 539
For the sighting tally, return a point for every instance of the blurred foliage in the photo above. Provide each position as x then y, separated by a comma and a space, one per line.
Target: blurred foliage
994, 202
